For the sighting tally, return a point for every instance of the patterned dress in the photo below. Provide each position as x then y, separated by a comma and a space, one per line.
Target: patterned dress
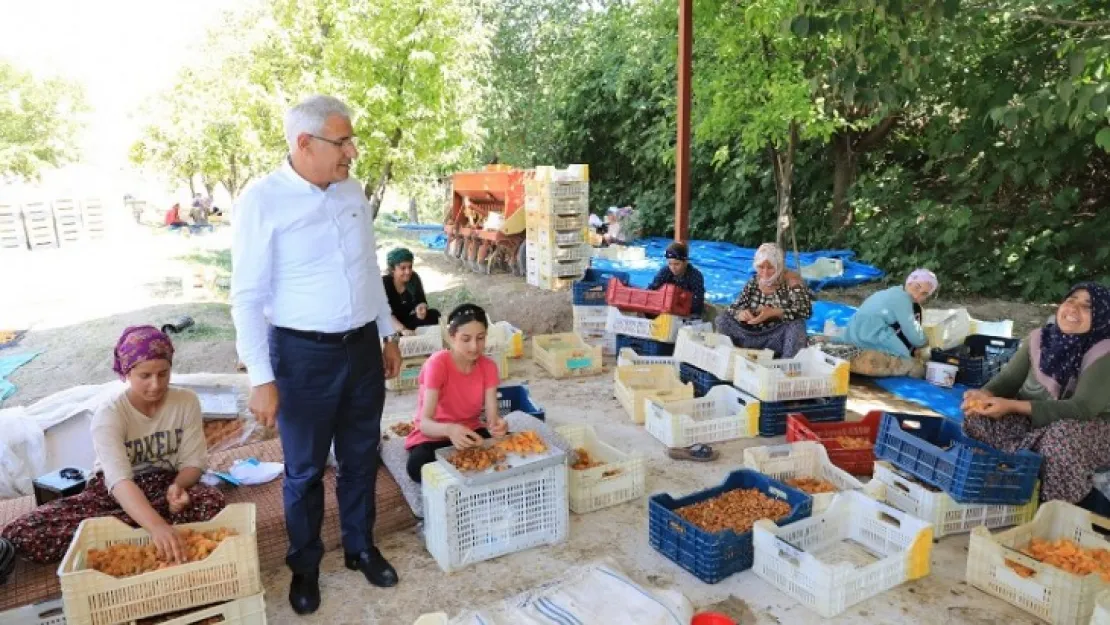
785, 336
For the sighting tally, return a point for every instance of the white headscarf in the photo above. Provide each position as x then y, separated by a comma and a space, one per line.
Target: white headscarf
771, 253
926, 277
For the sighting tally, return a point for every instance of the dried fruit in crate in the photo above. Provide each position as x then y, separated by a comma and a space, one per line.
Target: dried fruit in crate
585, 461
124, 560
854, 442
522, 443
812, 485
1067, 555
736, 510
476, 458
217, 431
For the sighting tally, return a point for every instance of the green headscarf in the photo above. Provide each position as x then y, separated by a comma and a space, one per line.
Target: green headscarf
396, 256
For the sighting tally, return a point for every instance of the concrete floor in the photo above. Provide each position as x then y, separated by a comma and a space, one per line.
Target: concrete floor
620, 533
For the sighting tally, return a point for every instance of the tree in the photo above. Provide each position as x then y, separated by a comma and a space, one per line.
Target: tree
40, 122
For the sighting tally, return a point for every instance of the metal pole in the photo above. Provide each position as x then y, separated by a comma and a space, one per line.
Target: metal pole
682, 156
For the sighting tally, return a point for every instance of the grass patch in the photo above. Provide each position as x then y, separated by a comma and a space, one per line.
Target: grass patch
444, 301
202, 331
220, 259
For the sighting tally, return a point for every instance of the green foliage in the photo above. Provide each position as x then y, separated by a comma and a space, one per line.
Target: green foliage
39, 122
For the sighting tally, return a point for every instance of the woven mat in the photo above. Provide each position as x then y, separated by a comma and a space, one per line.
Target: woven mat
31, 583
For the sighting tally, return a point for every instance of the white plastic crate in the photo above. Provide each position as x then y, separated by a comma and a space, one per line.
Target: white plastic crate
937, 507
620, 479
590, 319
541, 219
566, 355
1051, 594
663, 328
620, 252
810, 374
45, 613
628, 356
723, 414
545, 236
427, 341
636, 384
713, 352
1101, 615
505, 336
605, 340
246, 611
801, 459
946, 329
857, 549
468, 524
408, 378
499, 354
572, 269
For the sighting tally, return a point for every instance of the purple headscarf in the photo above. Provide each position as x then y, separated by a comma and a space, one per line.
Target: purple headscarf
1062, 355
139, 344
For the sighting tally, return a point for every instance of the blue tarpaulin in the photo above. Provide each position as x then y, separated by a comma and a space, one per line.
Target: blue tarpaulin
945, 401
8, 364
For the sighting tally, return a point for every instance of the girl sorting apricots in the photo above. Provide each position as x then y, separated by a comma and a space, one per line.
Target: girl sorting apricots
456, 384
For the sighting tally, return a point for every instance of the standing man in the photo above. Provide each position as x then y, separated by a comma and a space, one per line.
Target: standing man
309, 308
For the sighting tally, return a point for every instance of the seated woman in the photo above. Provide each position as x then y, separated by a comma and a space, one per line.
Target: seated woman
772, 310
1052, 397
680, 272
456, 385
406, 294
886, 329
173, 219
150, 454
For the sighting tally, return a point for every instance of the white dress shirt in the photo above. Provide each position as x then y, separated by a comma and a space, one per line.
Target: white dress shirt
305, 258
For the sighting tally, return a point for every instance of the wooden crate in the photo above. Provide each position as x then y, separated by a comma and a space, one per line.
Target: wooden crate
38, 220
93, 218
67, 221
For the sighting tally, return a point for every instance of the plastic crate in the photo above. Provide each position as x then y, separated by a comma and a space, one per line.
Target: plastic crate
503, 335
854, 461
566, 355
811, 373
94, 598
714, 557
45, 613
568, 253
468, 524
247, 611
935, 506
713, 352
855, 550
668, 299
590, 319
427, 341
516, 397
543, 220
979, 359
804, 459
662, 328
627, 356
537, 235
936, 451
723, 414
703, 381
567, 270
599, 487
635, 384
644, 347
1101, 614
1051, 594
605, 340
499, 354
945, 329
773, 414
408, 377
621, 253
591, 289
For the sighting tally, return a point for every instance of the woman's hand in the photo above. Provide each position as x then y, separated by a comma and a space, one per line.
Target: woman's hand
408, 332
996, 407
745, 316
178, 498
463, 437
169, 543
974, 400
498, 427
421, 311
767, 313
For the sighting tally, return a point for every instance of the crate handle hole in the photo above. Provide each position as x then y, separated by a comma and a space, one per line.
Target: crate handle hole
901, 486
890, 519
911, 424
51, 613
778, 453
789, 558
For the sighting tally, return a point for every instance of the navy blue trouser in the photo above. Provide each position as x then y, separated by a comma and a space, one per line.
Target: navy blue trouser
326, 392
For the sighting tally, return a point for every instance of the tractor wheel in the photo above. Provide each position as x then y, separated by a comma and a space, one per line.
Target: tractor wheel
522, 259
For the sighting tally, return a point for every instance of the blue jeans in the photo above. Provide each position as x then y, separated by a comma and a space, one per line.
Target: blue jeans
326, 392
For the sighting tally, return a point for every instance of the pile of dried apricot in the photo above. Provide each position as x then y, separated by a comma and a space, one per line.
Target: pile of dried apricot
403, 428
584, 460
812, 485
854, 442
124, 560
522, 443
736, 510
1067, 555
476, 458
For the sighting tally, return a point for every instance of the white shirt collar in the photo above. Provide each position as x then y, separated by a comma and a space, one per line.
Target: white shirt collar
297, 179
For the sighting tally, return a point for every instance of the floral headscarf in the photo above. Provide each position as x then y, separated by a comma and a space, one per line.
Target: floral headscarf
1061, 355
139, 344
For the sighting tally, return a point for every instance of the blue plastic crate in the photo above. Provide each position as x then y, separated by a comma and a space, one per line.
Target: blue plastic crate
644, 347
713, 557
513, 397
702, 379
936, 451
773, 414
590, 290
979, 359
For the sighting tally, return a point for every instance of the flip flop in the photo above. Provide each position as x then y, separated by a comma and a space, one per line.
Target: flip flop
696, 453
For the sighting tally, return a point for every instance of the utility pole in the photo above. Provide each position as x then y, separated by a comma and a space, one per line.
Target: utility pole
682, 155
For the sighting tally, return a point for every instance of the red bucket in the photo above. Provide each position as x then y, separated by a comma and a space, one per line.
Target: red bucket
712, 618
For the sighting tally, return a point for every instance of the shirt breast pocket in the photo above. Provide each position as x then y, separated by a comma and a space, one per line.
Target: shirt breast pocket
354, 224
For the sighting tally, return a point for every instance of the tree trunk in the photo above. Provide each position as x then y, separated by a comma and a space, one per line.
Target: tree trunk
192, 187
845, 169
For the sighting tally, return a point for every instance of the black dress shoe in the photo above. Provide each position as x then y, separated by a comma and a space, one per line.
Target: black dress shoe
377, 571
304, 592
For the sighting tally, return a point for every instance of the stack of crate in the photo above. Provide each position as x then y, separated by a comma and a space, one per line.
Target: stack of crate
556, 213
12, 234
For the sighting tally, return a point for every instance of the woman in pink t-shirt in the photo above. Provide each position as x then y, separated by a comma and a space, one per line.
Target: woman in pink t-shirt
455, 386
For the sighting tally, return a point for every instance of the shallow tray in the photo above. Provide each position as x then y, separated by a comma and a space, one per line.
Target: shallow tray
516, 464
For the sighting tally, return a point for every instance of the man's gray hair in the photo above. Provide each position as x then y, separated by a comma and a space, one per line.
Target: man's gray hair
308, 117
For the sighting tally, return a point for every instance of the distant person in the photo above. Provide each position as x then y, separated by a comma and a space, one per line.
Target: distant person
407, 300
887, 328
680, 272
772, 310
612, 234
173, 219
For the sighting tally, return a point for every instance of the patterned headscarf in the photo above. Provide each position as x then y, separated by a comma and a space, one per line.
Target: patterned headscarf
925, 276
139, 344
398, 255
1062, 354
771, 253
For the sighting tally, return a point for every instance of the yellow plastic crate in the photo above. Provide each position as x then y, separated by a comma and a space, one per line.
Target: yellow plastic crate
566, 355
636, 384
801, 459
620, 479
94, 598
810, 374
408, 378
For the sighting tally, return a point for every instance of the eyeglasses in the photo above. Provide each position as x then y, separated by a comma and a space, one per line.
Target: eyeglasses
341, 144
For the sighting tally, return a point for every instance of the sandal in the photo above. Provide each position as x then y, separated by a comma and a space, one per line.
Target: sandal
697, 453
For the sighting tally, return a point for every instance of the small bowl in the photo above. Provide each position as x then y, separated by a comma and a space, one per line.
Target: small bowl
712, 618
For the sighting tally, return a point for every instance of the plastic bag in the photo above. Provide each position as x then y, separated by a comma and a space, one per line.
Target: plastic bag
22, 453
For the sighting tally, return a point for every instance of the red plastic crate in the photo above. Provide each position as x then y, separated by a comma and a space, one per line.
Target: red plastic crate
668, 300
854, 461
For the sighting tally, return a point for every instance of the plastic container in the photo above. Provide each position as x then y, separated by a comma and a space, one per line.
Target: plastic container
711, 618
620, 479
563, 269
936, 451
1101, 614
635, 384
937, 507
668, 299
408, 377
545, 235
714, 557
663, 328
1004, 328
811, 373
590, 319
946, 329
45, 613
703, 381
804, 459
712, 352
427, 341
542, 219
514, 397
644, 347
855, 550
627, 356
979, 359
591, 289
724, 414
1051, 594
941, 374
468, 524
577, 253
94, 598
773, 414
853, 460
566, 355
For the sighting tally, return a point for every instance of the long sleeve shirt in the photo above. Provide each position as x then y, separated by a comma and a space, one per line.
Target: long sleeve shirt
302, 258
1091, 400
691, 280
873, 325
794, 301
